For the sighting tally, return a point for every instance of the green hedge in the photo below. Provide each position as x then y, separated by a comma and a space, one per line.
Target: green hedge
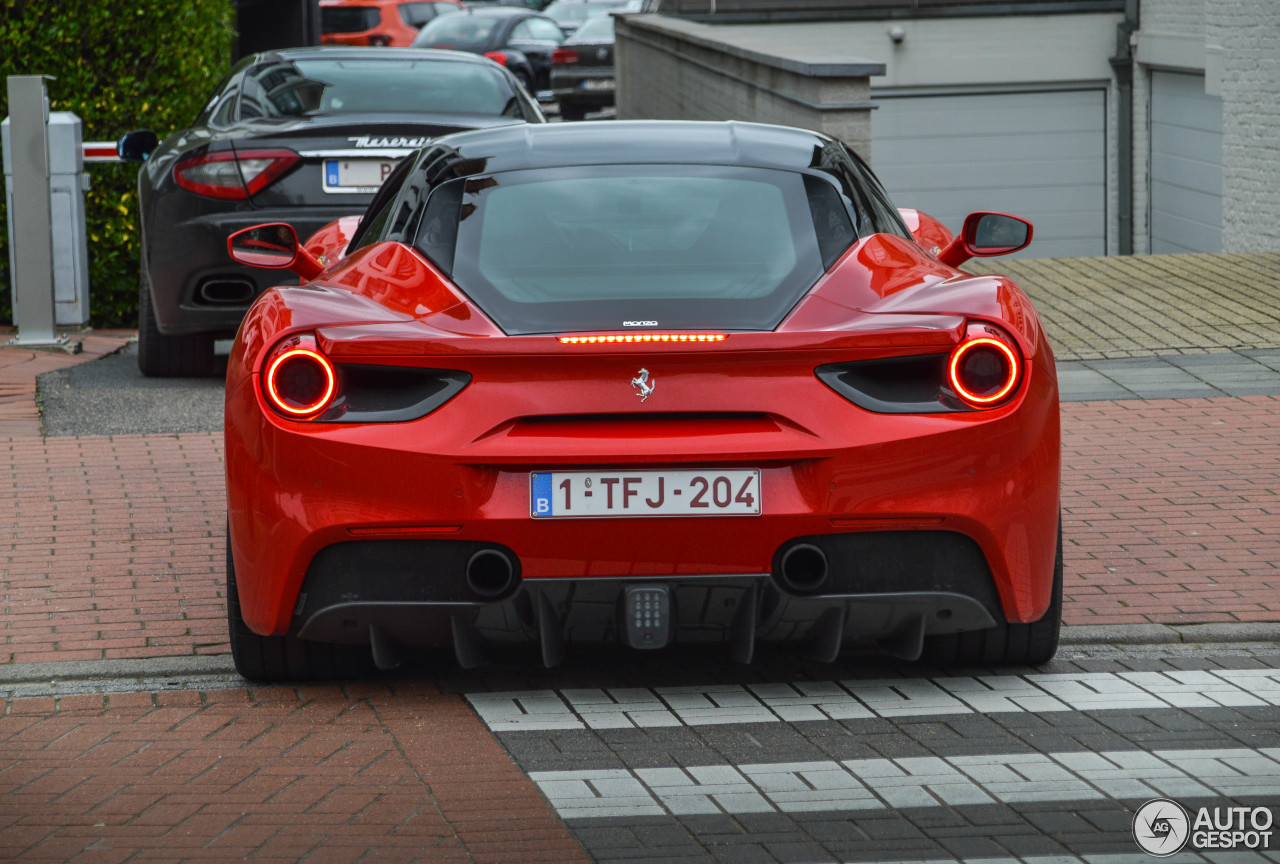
119, 65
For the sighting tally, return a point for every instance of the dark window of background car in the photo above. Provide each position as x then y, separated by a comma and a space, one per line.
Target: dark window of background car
597, 28
538, 30
217, 100
463, 32
437, 235
330, 85
830, 219
348, 19
379, 210
417, 14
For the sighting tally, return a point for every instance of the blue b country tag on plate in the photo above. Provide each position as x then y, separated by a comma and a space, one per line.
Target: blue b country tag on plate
539, 495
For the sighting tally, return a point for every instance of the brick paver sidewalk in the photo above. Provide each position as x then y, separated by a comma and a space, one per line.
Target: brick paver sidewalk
321, 774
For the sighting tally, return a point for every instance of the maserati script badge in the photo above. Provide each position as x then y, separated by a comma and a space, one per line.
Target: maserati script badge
644, 389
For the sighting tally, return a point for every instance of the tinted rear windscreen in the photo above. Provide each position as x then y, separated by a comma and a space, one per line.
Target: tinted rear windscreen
463, 32
348, 19
394, 85
689, 247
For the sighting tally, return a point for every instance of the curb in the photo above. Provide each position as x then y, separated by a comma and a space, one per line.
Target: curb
102, 671
1169, 634
218, 671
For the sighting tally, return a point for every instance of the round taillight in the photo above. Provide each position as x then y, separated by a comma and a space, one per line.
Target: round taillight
983, 371
300, 381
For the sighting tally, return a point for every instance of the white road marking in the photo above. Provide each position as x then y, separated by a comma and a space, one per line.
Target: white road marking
877, 784
626, 708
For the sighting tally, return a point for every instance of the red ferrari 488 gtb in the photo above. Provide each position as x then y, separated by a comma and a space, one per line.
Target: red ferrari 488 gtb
639, 383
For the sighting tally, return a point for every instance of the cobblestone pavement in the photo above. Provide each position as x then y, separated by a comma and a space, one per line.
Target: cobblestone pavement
1138, 306
876, 763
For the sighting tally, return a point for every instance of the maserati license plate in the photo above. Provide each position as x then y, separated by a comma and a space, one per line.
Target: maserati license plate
356, 175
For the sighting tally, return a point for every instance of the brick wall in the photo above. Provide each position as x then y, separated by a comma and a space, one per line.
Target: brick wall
1248, 31
1179, 17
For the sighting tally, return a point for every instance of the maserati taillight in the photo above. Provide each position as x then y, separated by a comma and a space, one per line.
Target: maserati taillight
233, 175
298, 380
497, 57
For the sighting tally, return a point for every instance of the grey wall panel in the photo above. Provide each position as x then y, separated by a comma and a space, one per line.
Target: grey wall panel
1040, 155
1186, 165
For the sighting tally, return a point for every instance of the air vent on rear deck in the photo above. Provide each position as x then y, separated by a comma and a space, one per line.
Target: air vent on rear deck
670, 424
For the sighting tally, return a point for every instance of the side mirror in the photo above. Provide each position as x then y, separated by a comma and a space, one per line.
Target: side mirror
137, 145
273, 246
986, 235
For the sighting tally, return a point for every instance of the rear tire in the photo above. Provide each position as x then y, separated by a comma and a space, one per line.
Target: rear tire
286, 658
572, 112
1005, 644
161, 356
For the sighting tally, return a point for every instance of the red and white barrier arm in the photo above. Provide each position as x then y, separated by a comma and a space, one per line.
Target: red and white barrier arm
100, 151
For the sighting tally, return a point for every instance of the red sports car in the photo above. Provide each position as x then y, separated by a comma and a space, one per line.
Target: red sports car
637, 383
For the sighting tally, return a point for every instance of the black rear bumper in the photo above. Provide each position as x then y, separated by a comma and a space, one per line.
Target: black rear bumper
891, 589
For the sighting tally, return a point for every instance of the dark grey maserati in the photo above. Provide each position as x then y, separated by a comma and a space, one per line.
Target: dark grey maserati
302, 136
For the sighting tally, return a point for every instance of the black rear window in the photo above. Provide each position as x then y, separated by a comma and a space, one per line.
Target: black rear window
460, 32
691, 247
348, 19
394, 85
417, 14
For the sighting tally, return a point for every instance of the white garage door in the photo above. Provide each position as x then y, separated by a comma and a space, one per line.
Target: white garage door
1186, 165
1038, 155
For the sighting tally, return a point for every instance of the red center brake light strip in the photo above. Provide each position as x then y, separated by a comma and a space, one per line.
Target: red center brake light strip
641, 337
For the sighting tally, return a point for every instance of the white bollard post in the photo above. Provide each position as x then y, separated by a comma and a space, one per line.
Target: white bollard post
32, 276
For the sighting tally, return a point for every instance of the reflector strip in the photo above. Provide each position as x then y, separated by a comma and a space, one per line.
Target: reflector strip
642, 337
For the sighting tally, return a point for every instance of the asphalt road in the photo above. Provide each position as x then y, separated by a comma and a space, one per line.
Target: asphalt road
111, 397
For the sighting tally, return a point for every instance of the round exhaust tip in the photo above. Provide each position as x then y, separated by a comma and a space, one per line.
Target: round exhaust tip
803, 568
490, 573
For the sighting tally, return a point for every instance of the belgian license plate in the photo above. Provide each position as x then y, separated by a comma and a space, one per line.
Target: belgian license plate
598, 84
356, 175
714, 492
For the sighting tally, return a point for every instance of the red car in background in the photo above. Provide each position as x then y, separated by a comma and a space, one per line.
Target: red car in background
637, 383
391, 23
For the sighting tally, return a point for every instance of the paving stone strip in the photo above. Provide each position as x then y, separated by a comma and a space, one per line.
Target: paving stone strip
880, 784
803, 701
950, 768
